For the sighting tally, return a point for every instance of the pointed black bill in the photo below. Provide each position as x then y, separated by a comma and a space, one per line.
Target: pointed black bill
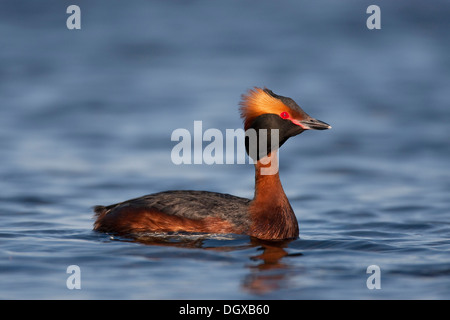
314, 124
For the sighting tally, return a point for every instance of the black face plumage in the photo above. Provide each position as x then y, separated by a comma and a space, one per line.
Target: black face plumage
261, 137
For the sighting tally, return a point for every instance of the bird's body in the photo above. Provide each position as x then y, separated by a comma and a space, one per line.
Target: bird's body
177, 210
268, 215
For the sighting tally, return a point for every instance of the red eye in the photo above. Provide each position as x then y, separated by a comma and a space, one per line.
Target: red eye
284, 115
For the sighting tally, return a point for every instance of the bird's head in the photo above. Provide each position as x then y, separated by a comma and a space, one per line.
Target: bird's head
263, 109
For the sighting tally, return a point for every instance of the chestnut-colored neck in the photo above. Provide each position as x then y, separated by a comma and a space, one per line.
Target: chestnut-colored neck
268, 188
271, 213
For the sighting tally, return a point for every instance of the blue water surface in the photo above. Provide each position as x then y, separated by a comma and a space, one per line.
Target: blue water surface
86, 118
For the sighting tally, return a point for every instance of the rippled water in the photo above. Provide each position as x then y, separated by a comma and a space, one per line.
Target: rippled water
86, 118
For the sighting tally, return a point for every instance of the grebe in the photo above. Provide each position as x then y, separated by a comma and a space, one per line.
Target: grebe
267, 216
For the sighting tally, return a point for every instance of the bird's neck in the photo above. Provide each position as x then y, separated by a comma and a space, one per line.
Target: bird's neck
268, 188
272, 214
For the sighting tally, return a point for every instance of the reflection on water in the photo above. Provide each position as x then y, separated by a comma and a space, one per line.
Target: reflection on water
270, 274
265, 276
